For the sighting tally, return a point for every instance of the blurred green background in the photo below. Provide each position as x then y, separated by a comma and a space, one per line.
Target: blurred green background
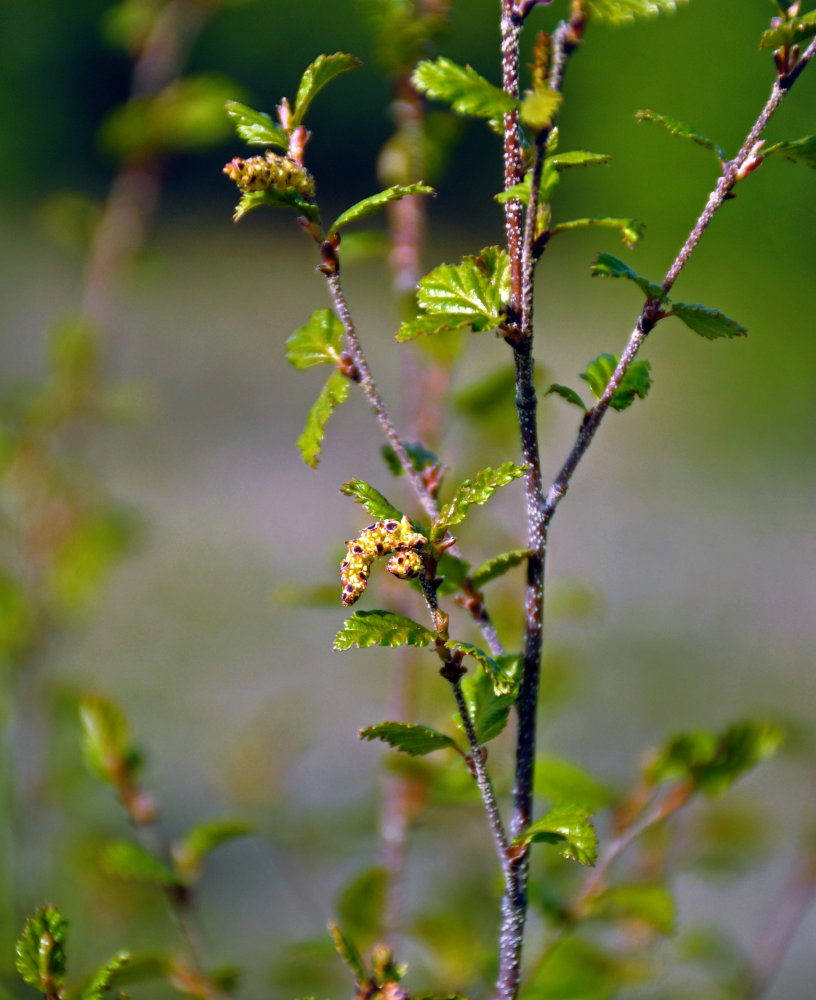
688, 531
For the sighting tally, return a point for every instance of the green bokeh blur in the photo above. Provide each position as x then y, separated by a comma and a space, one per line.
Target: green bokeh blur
692, 514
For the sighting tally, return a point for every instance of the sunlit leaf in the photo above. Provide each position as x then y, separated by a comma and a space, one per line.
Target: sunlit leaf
708, 323
409, 738
570, 829
493, 568
502, 671
376, 202
322, 71
635, 383
488, 711
272, 198
606, 265
467, 92
577, 158
790, 32
799, 150
474, 491
682, 130
310, 442
105, 738
381, 628
625, 11
319, 341
256, 128
40, 951
105, 977
539, 107
373, 501
631, 230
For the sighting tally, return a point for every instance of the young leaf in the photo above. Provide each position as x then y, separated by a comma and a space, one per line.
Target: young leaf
565, 392
104, 978
636, 382
189, 853
105, 738
682, 130
368, 206
648, 903
255, 127
561, 781
319, 341
412, 739
334, 392
361, 904
498, 566
631, 230
503, 671
606, 265
520, 191
577, 158
421, 457
625, 11
708, 323
539, 107
132, 862
467, 92
381, 628
40, 951
276, 199
790, 32
474, 491
488, 710
570, 829
799, 150
348, 953
373, 501
322, 71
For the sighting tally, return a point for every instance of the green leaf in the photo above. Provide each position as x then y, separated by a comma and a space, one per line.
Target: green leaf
334, 392
579, 969
563, 782
488, 710
565, 392
631, 230
798, 150
322, 71
373, 204
190, 852
498, 566
272, 198
381, 628
682, 130
132, 862
467, 92
256, 128
648, 903
520, 191
474, 491
361, 906
373, 501
570, 829
577, 158
539, 107
606, 265
319, 341
502, 671
40, 951
625, 11
105, 738
421, 457
415, 740
636, 382
713, 762
453, 571
708, 323
105, 977
790, 32
348, 953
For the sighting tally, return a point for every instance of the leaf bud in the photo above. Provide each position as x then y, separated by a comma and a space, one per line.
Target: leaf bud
753, 160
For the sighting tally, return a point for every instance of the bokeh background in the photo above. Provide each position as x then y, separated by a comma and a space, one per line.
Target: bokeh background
682, 562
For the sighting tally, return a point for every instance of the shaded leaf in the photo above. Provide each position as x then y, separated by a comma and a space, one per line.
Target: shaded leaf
272, 198
562, 781
105, 738
361, 906
190, 852
493, 568
373, 501
580, 969
569, 828
648, 903
318, 341
105, 977
488, 711
474, 491
631, 230
334, 392
381, 628
421, 457
409, 738
467, 92
453, 571
322, 71
348, 953
373, 204
255, 127
682, 130
503, 670
708, 323
790, 32
40, 951
798, 150
625, 11
539, 107
565, 392
635, 383
132, 862
606, 265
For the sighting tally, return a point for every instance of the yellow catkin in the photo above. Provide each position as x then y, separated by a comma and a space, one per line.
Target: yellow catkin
380, 539
270, 172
